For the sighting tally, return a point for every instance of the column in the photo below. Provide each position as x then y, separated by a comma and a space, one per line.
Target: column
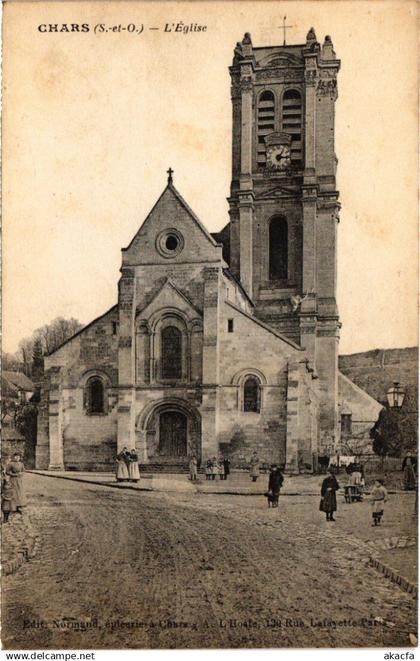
310, 118
245, 195
126, 360
292, 418
56, 458
308, 308
143, 354
246, 215
42, 449
210, 403
247, 95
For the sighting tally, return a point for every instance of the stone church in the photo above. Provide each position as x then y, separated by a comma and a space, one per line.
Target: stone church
224, 342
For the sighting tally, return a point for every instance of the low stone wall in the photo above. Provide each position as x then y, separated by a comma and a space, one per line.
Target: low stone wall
386, 570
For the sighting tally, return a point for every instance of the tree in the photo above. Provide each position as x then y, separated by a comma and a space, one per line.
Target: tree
395, 431
44, 340
59, 330
24, 354
37, 360
26, 424
11, 362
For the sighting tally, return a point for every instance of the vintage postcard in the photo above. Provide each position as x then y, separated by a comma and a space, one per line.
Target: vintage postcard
210, 364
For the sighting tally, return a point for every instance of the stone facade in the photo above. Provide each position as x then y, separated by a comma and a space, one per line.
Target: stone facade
280, 92
68, 433
206, 350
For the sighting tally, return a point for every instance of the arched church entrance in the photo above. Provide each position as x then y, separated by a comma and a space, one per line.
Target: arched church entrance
170, 432
173, 434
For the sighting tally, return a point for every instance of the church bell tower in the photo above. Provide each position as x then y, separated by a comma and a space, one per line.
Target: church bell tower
283, 200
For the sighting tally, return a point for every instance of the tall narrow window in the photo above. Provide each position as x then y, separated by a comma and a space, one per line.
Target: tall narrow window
292, 122
95, 395
346, 423
171, 353
265, 124
252, 401
278, 248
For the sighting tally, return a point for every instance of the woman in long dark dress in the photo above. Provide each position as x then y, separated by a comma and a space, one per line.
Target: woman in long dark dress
275, 482
409, 473
226, 466
328, 495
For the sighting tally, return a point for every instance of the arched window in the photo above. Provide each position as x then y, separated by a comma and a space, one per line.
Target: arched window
265, 123
252, 399
95, 395
292, 122
278, 252
171, 353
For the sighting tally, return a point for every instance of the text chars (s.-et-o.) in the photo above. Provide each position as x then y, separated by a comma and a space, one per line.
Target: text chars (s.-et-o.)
178, 27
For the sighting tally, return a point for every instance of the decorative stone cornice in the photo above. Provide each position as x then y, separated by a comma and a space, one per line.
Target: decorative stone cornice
328, 333
327, 87
247, 84
311, 76
280, 75
235, 89
309, 193
328, 203
246, 199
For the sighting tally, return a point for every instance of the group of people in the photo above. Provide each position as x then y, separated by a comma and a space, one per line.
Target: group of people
328, 503
12, 492
217, 467
127, 469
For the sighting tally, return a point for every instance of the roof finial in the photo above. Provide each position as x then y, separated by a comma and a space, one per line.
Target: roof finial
311, 37
170, 173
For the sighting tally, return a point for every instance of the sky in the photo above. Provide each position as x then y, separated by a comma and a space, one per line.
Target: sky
92, 121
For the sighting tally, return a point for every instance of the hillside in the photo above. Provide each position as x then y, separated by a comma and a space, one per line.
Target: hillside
375, 371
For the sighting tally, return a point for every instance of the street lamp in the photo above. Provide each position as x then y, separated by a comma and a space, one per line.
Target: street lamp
395, 396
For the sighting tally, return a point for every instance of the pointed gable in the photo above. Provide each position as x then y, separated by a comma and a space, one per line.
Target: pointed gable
169, 297
171, 233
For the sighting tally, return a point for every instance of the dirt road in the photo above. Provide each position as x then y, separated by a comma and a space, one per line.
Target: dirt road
149, 570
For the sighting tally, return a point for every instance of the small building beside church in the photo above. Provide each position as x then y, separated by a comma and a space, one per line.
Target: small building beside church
224, 342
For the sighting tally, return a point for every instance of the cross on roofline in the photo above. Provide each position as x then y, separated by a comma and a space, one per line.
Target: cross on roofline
170, 173
285, 27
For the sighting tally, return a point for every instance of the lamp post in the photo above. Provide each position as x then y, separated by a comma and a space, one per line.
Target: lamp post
389, 419
395, 396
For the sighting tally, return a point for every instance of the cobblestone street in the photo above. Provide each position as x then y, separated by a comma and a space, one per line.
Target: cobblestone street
125, 569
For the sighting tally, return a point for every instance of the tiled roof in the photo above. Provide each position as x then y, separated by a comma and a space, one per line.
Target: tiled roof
18, 380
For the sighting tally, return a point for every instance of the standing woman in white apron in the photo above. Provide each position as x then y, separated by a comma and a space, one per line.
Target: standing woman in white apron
122, 466
133, 466
15, 470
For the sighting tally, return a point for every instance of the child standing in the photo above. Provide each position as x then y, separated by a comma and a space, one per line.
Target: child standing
379, 496
209, 469
7, 501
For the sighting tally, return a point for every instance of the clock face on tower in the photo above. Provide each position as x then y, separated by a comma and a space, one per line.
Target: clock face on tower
278, 157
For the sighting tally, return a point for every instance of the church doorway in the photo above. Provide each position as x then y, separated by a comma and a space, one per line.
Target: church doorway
173, 434
169, 433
